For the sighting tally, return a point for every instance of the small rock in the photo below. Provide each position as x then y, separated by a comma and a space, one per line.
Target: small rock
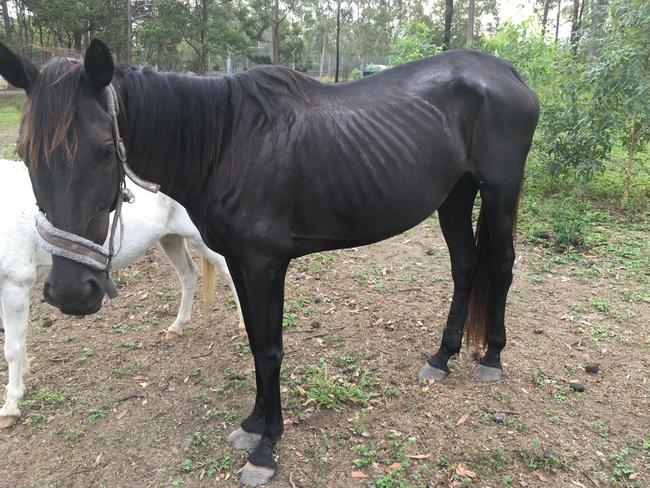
499, 418
430, 252
579, 387
592, 368
538, 331
548, 454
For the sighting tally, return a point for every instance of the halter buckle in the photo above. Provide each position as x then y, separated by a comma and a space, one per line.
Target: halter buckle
121, 150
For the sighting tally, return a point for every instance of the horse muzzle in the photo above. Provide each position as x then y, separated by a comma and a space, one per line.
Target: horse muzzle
74, 288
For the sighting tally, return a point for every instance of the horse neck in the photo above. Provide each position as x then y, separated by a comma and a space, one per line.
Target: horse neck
176, 128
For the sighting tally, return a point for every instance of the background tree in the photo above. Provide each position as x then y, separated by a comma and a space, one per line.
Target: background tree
449, 13
621, 77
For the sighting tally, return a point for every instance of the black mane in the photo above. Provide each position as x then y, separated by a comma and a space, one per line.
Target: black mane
173, 118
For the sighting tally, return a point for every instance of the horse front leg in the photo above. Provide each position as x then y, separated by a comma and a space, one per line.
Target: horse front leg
14, 303
263, 279
248, 435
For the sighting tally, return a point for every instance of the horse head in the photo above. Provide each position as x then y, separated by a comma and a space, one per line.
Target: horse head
68, 141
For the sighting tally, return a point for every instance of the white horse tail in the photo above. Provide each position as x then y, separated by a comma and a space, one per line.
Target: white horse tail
208, 287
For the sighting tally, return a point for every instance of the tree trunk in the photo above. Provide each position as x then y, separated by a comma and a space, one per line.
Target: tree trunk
322, 57
557, 20
471, 8
547, 5
77, 35
129, 23
7, 20
338, 38
573, 40
579, 29
40, 36
598, 13
631, 151
449, 13
275, 33
203, 56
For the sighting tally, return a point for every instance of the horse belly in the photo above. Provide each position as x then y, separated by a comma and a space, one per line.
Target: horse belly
365, 203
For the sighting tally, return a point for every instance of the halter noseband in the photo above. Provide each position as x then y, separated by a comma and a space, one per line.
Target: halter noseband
84, 251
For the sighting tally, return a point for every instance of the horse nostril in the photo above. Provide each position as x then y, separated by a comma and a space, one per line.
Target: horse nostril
92, 287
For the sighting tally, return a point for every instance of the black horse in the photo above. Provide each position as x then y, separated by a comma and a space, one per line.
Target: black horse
272, 165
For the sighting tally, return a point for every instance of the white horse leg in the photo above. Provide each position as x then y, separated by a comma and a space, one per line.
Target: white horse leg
14, 300
176, 250
219, 262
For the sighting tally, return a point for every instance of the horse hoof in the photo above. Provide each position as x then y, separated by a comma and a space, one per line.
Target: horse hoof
487, 374
6, 422
245, 441
429, 373
172, 334
252, 475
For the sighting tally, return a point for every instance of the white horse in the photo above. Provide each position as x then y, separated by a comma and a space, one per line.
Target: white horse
150, 219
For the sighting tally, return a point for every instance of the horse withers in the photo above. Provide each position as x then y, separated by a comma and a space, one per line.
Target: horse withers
272, 165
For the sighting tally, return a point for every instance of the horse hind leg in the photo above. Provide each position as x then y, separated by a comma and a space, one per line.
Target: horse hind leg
500, 203
455, 217
176, 250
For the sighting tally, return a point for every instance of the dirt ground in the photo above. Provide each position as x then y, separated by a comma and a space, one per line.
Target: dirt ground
111, 403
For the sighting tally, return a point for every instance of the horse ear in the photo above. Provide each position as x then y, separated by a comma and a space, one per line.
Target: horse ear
19, 72
98, 64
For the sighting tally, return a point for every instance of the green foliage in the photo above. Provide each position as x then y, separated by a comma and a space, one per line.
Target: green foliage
333, 391
575, 133
414, 43
366, 455
620, 77
530, 53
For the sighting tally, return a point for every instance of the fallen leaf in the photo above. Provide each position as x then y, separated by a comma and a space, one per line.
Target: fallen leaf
139, 377
393, 466
419, 456
539, 475
464, 472
462, 420
121, 414
633, 476
98, 459
359, 474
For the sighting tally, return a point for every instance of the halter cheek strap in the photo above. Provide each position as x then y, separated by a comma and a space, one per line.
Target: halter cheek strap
84, 251
120, 148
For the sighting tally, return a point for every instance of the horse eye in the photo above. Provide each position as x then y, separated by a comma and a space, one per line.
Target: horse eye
107, 154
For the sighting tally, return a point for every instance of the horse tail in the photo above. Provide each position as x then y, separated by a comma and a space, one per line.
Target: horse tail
209, 281
480, 310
